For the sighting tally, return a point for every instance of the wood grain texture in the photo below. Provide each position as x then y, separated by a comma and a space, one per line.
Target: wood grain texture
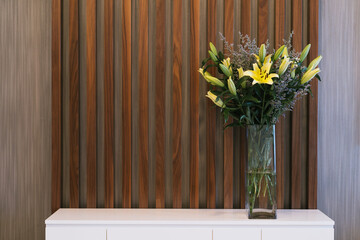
91, 102
263, 14
74, 102
56, 106
296, 114
194, 102
109, 103
177, 103
126, 100
279, 128
26, 98
159, 104
143, 105
313, 29
339, 116
210, 116
246, 17
228, 133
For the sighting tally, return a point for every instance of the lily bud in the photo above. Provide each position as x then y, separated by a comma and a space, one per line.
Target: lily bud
314, 63
226, 62
241, 72
310, 74
285, 52
292, 74
305, 52
284, 65
231, 86
225, 70
213, 80
213, 56
213, 48
279, 52
262, 53
201, 71
215, 99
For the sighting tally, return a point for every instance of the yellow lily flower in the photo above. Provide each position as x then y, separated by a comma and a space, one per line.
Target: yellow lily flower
261, 76
231, 86
213, 98
284, 65
209, 78
241, 72
226, 62
309, 74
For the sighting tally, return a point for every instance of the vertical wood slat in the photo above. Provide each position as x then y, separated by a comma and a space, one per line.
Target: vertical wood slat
228, 133
279, 128
143, 105
159, 104
56, 106
177, 103
313, 107
126, 101
210, 116
263, 12
296, 114
91, 102
194, 102
74, 102
109, 104
245, 29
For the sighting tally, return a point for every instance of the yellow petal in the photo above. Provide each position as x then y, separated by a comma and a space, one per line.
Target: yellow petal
241, 72
266, 68
213, 98
273, 75
285, 52
310, 74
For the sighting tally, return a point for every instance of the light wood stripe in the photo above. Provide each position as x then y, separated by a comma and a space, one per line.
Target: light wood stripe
263, 12
56, 106
143, 104
126, 101
91, 102
279, 128
177, 103
296, 115
159, 104
313, 107
74, 102
210, 115
194, 102
228, 133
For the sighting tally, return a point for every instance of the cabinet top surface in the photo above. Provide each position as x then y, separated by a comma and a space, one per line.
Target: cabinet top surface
184, 217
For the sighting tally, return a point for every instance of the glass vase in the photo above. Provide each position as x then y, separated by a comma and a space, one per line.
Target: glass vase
261, 172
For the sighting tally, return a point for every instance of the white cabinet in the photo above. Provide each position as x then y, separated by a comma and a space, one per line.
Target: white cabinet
186, 224
157, 233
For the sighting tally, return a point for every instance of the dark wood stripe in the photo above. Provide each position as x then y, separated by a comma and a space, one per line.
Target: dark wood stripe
159, 104
126, 102
74, 102
313, 106
109, 103
91, 102
177, 103
279, 128
143, 104
245, 29
296, 115
263, 11
56, 106
194, 102
210, 116
228, 133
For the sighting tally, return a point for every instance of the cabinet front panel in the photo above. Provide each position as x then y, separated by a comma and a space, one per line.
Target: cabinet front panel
237, 234
157, 233
75, 233
298, 233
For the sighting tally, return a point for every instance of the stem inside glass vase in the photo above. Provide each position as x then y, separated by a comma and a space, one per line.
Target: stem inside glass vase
261, 172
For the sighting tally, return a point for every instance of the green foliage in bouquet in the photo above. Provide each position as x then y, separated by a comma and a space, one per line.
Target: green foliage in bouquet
253, 87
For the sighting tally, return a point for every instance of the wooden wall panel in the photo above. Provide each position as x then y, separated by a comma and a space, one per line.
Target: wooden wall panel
152, 138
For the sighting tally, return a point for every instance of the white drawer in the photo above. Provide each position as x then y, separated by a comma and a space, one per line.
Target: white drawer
237, 234
301, 233
159, 233
75, 233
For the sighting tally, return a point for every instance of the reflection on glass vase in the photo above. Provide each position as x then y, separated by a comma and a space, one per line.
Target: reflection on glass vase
261, 172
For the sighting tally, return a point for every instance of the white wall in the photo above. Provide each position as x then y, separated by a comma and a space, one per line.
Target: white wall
339, 116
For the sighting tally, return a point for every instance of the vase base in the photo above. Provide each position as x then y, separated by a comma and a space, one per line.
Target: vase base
261, 214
